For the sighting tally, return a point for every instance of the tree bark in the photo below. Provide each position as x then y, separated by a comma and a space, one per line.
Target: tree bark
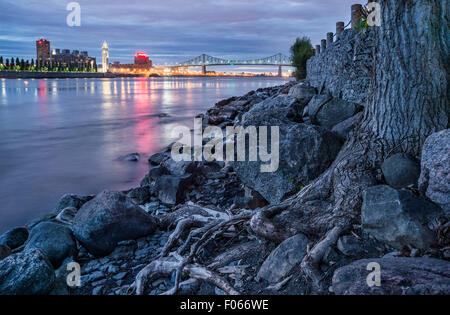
409, 100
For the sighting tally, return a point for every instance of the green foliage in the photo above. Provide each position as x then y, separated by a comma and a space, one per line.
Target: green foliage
363, 25
301, 51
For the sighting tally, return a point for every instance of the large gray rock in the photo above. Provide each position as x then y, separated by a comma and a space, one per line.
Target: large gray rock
401, 171
434, 180
171, 189
283, 259
398, 217
305, 151
26, 273
109, 218
67, 215
343, 128
399, 276
15, 237
56, 241
302, 92
71, 200
334, 112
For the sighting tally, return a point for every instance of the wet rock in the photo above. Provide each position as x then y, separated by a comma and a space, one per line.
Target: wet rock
343, 128
109, 218
434, 179
398, 217
56, 241
399, 276
171, 189
315, 104
283, 259
15, 237
5, 251
67, 215
61, 275
303, 92
156, 159
132, 157
139, 195
153, 175
334, 112
305, 152
71, 200
26, 273
401, 171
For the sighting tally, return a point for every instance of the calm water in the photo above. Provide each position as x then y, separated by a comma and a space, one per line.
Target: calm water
61, 136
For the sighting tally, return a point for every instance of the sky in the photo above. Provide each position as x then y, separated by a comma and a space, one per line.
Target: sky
170, 31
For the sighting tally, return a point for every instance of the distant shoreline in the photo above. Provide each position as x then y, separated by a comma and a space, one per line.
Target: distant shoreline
96, 75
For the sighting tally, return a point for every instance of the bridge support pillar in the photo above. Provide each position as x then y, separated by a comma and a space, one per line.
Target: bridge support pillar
280, 71
203, 70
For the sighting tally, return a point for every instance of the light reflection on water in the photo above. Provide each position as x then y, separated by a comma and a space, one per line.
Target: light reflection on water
65, 135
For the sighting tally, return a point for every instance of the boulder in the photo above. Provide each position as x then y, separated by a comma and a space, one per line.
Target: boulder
399, 276
398, 217
335, 111
171, 189
26, 273
316, 103
67, 215
153, 175
434, 179
157, 158
303, 92
401, 171
5, 251
343, 129
71, 200
305, 151
15, 237
56, 241
132, 157
180, 168
109, 218
283, 259
139, 195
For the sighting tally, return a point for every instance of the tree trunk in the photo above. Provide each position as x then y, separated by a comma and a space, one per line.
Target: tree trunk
409, 101
410, 96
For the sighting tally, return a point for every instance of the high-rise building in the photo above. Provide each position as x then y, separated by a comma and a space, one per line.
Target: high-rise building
42, 49
105, 57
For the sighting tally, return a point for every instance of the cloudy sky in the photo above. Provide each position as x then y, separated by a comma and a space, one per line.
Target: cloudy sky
169, 30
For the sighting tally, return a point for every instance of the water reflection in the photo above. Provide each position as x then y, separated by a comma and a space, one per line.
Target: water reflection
61, 136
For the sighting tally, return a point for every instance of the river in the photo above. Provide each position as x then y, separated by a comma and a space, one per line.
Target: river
65, 135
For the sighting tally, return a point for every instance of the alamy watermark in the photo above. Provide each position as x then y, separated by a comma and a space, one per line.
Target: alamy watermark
373, 14
74, 277
259, 144
374, 278
74, 17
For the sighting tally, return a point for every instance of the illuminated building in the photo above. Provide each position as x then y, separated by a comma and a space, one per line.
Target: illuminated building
42, 49
62, 57
142, 64
105, 57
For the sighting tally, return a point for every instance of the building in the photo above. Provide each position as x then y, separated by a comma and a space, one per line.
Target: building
42, 49
142, 64
142, 59
105, 57
62, 57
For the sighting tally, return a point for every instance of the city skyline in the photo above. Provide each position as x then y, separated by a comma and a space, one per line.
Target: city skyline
172, 31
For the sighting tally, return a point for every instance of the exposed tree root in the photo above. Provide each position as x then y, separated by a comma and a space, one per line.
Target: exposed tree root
163, 267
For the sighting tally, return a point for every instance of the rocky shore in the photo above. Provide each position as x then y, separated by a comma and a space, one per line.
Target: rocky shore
227, 228
115, 235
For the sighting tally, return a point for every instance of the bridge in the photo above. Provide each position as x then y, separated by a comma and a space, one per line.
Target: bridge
204, 60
